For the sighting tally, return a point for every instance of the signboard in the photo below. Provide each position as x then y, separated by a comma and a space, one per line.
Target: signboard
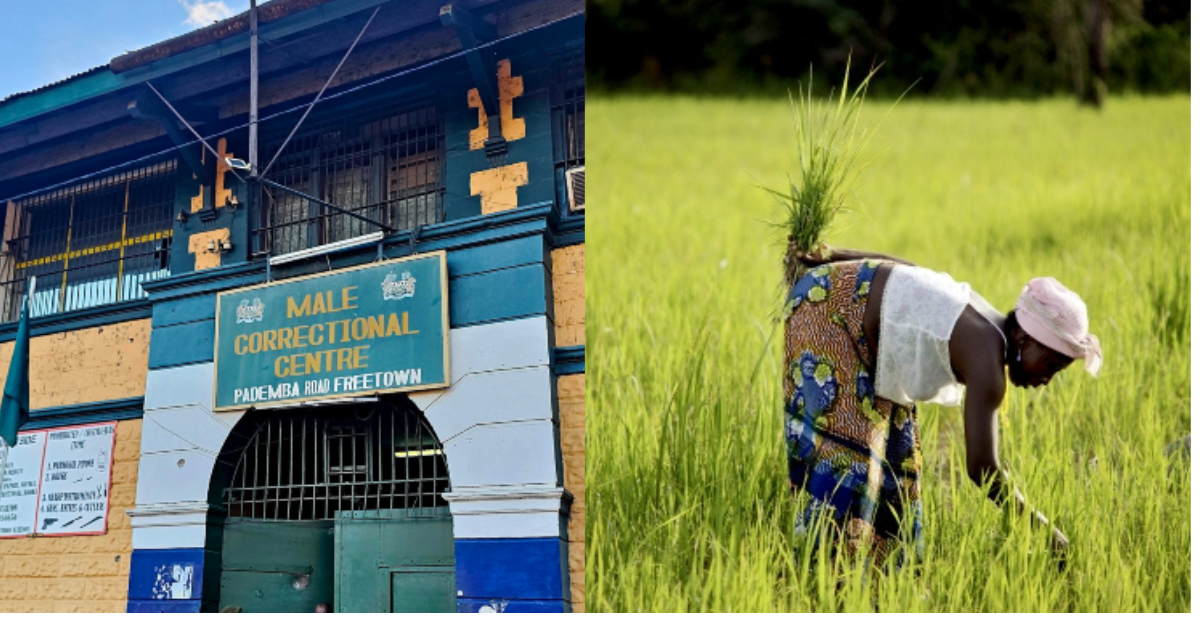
75, 480
18, 497
58, 482
381, 327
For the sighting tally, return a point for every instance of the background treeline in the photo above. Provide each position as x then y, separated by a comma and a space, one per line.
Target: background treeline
997, 48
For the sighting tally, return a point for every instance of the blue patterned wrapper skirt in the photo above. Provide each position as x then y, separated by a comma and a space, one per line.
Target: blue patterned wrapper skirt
856, 456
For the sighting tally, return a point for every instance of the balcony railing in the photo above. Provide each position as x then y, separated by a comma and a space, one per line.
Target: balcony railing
89, 244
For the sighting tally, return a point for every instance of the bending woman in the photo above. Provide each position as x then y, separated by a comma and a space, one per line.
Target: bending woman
869, 335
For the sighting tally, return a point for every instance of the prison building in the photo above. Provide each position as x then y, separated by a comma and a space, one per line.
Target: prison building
333, 357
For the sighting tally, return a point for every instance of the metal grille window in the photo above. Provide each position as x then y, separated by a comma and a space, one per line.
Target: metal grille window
310, 466
90, 244
387, 167
567, 115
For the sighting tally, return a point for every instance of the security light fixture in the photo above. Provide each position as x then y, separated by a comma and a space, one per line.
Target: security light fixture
326, 249
419, 453
237, 164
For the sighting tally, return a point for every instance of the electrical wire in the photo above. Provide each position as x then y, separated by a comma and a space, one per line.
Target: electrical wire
383, 79
215, 154
320, 93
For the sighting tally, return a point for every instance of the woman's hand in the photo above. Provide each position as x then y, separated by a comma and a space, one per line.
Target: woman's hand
810, 259
1060, 541
1059, 546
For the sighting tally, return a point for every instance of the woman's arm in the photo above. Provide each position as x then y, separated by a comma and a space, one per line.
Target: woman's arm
847, 255
984, 395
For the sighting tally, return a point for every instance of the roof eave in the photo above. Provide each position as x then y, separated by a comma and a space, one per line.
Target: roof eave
105, 80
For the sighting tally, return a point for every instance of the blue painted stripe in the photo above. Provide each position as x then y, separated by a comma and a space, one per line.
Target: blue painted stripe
569, 360
206, 281
512, 606
501, 295
80, 319
570, 238
157, 606
83, 413
480, 259
179, 345
512, 569
568, 231
189, 310
157, 574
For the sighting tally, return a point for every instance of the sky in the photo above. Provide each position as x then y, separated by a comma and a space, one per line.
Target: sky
43, 41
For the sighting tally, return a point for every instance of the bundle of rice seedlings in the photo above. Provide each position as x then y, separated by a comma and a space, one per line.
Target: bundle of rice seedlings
830, 139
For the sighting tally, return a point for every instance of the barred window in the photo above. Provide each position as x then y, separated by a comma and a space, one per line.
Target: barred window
567, 118
388, 168
89, 244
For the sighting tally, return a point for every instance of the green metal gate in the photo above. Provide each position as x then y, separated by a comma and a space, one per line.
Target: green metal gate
277, 567
341, 505
394, 564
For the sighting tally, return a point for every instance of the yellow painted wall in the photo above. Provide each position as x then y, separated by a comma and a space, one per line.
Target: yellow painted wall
198, 246
568, 295
497, 187
78, 574
93, 364
570, 411
512, 128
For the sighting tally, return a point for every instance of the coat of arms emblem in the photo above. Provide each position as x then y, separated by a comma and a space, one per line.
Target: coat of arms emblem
250, 312
401, 288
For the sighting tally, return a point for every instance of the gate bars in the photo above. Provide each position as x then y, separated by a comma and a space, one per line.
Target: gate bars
307, 465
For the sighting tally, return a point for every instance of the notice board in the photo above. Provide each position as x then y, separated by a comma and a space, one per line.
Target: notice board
58, 482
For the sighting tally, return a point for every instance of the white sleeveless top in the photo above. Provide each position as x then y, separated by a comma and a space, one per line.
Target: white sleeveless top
920, 308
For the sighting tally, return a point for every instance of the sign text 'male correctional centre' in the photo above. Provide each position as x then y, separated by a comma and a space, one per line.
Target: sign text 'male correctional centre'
382, 327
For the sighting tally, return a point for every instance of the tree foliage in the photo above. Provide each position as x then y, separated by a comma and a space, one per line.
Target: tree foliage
1008, 48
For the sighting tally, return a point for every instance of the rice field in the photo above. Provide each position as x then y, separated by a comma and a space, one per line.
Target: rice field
688, 506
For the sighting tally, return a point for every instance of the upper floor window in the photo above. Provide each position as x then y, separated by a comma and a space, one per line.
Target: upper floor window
567, 123
386, 166
89, 244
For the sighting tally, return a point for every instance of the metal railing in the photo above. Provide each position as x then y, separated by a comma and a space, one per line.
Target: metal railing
388, 167
310, 464
89, 244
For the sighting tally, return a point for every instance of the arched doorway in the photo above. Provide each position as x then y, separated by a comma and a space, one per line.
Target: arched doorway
338, 504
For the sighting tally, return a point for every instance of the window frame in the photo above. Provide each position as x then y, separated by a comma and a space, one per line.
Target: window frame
568, 97
124, 220
387, 134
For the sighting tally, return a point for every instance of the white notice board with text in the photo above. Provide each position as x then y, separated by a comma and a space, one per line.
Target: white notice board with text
58, 482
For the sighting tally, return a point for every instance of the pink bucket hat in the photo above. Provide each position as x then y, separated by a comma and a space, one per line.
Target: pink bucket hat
1057, 318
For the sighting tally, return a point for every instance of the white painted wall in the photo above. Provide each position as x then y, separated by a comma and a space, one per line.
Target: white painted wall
495, 421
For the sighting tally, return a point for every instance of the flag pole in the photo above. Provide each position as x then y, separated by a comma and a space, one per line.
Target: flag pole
6, 444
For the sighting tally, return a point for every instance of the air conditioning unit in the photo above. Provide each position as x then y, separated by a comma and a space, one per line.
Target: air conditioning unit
575, 189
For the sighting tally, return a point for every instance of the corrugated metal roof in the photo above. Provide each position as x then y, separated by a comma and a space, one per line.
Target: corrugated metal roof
228, 27
12, 97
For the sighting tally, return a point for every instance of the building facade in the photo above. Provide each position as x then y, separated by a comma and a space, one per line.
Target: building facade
350, 371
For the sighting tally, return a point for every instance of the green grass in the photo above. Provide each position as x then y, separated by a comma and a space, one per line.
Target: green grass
687, 501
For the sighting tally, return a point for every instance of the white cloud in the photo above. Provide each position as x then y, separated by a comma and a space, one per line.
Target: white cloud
201, 13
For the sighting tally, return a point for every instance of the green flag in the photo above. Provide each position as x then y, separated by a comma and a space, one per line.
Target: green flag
14, 410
